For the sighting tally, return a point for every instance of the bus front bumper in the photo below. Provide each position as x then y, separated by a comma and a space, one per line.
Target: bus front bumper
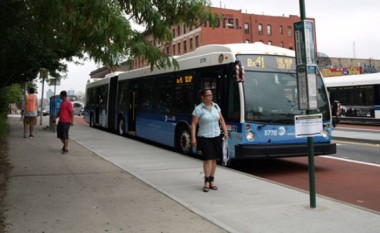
277, 151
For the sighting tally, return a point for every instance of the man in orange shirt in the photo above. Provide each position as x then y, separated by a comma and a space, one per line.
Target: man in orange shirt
30, 113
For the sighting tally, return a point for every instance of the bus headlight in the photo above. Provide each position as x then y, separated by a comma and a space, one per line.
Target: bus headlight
250, 136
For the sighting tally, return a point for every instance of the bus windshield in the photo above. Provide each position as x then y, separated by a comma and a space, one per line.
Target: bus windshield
271, 97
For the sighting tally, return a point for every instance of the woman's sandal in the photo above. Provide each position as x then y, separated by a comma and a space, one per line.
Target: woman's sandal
211, 180
206, 187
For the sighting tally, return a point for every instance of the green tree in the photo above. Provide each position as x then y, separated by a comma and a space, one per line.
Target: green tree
11, 94
45, 33
14, 94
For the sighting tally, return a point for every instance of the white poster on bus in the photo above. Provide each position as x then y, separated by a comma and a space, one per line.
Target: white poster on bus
308, 125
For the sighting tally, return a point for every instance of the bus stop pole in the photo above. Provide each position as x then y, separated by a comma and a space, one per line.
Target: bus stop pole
310, 141
310, 145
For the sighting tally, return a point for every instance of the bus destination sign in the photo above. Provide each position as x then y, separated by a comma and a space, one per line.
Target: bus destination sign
267, 63
184, 80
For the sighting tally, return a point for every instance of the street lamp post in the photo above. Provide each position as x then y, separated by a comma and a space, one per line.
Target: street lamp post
43, 76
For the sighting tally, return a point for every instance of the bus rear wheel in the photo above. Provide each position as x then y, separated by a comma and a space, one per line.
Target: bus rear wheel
121, 127
91, 121
183, 141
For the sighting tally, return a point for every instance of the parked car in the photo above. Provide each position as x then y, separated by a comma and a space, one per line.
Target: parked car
46, 110
78, 108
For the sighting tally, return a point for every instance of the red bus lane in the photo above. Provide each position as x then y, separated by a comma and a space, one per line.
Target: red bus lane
79, 120
347, 181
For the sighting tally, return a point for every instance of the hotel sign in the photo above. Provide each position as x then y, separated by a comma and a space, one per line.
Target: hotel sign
228, 21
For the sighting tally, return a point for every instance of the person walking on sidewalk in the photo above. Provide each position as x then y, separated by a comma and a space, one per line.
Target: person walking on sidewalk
66, 119
30, 112
208, 140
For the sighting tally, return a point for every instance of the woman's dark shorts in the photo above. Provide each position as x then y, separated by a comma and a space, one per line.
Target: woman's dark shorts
211, 147
63, 130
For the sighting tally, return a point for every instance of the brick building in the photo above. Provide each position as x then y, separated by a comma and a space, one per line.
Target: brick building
234, 27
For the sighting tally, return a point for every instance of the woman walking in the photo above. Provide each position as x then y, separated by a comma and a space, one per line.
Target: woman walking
208, 140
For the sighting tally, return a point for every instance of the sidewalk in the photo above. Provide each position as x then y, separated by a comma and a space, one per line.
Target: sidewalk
81, 192
109, 183
357, 135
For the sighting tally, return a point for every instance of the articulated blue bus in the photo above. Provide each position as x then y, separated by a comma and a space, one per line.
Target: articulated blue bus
260, 110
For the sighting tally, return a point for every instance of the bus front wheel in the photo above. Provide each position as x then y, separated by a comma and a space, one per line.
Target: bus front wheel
183, 141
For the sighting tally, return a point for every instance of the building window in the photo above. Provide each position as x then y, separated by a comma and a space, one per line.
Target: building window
196, 41
246, 41
246, 28
179, 48
281, 30
289, 31
184, 29
179, 30
282, 44
269, 42
185, 46
269, 30
191, 44
173, 32
167, 50
173, 49
260, 28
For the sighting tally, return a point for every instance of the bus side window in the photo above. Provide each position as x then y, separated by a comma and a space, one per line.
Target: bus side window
209, 83
184, 99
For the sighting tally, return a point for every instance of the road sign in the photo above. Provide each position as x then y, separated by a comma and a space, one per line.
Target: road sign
307, 87
304, 42
54, 82
308, 125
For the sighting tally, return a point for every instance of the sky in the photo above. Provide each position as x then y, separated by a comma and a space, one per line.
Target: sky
343, 29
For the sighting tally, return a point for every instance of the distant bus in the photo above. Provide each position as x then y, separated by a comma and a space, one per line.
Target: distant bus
259, 111
359, 95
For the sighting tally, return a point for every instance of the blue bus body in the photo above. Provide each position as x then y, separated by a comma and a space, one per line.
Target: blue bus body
259, 112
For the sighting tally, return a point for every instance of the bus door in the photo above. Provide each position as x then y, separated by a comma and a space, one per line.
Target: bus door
132, 112
101, 106
97, 107
225, 90
112, 104
212, 78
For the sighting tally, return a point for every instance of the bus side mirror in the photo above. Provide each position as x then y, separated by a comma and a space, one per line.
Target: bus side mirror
239, 71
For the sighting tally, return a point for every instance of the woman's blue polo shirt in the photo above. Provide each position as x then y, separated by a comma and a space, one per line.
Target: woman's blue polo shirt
208, 120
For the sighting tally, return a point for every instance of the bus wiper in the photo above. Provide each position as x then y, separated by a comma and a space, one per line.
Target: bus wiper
282, 118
